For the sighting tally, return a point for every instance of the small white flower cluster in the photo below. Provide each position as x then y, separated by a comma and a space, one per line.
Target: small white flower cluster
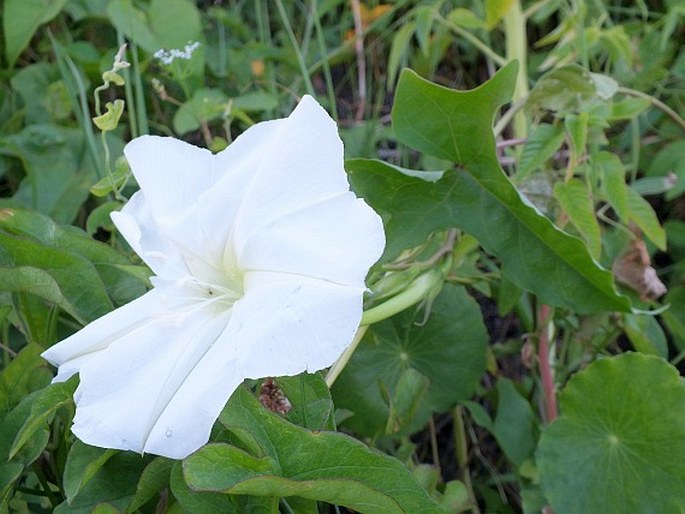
166, 57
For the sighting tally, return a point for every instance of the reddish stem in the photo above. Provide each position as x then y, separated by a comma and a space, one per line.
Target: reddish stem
548, 391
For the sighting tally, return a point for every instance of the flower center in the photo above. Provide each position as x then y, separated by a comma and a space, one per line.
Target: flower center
220, 288
206, 284
219, 293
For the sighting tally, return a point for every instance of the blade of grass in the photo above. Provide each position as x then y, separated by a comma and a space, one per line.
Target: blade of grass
262, 16
139, 91
72, 78
293, 40
484, 49
361, 61
328, 78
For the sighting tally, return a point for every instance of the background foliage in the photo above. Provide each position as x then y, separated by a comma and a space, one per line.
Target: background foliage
526, 323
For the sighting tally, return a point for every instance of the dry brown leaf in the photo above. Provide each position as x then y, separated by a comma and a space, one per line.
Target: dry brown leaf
633, 268
272, 397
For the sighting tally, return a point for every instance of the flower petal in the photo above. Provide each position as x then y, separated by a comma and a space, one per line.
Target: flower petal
191, 196
283, 326
275, 210
287, 324
171, 173
305, 167
150, 241
172, 250
336, 240
71, 354
124, 394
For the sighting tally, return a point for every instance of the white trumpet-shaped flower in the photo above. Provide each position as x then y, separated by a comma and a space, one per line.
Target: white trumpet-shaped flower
259, 255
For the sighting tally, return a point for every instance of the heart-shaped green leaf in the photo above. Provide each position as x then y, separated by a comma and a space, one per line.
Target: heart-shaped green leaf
619, 445
448, 349
324, 466
457, 125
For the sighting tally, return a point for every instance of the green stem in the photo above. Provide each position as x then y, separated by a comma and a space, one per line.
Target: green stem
342, 361
507, 116
263, 19
71, 77
581, 10
545, 366
96, 96
90, 137
221, 32
108, 167
286, 506
330, 89
54, 500
413, 294
656, 103
139, 91
485, 49
434, 444
361, 59
293, 40
517, 48
461, 449
635, 145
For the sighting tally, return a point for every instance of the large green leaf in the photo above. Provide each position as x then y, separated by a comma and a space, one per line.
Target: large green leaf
11, 423
453, 125
199, 502
162, 24
292, 461
35, 281
515, 426
619, 445
25, 373
133, 22
175, 23
44, 406
206, 105
311, 402
21, 19
10, 472
58, 170
154, 478
44, 265
123, 281
82, 464
34, 84
535, 254
449, 350
457, 125
77, 278
95, 475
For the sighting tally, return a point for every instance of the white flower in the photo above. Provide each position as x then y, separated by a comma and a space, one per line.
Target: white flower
166, 57
259, 255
